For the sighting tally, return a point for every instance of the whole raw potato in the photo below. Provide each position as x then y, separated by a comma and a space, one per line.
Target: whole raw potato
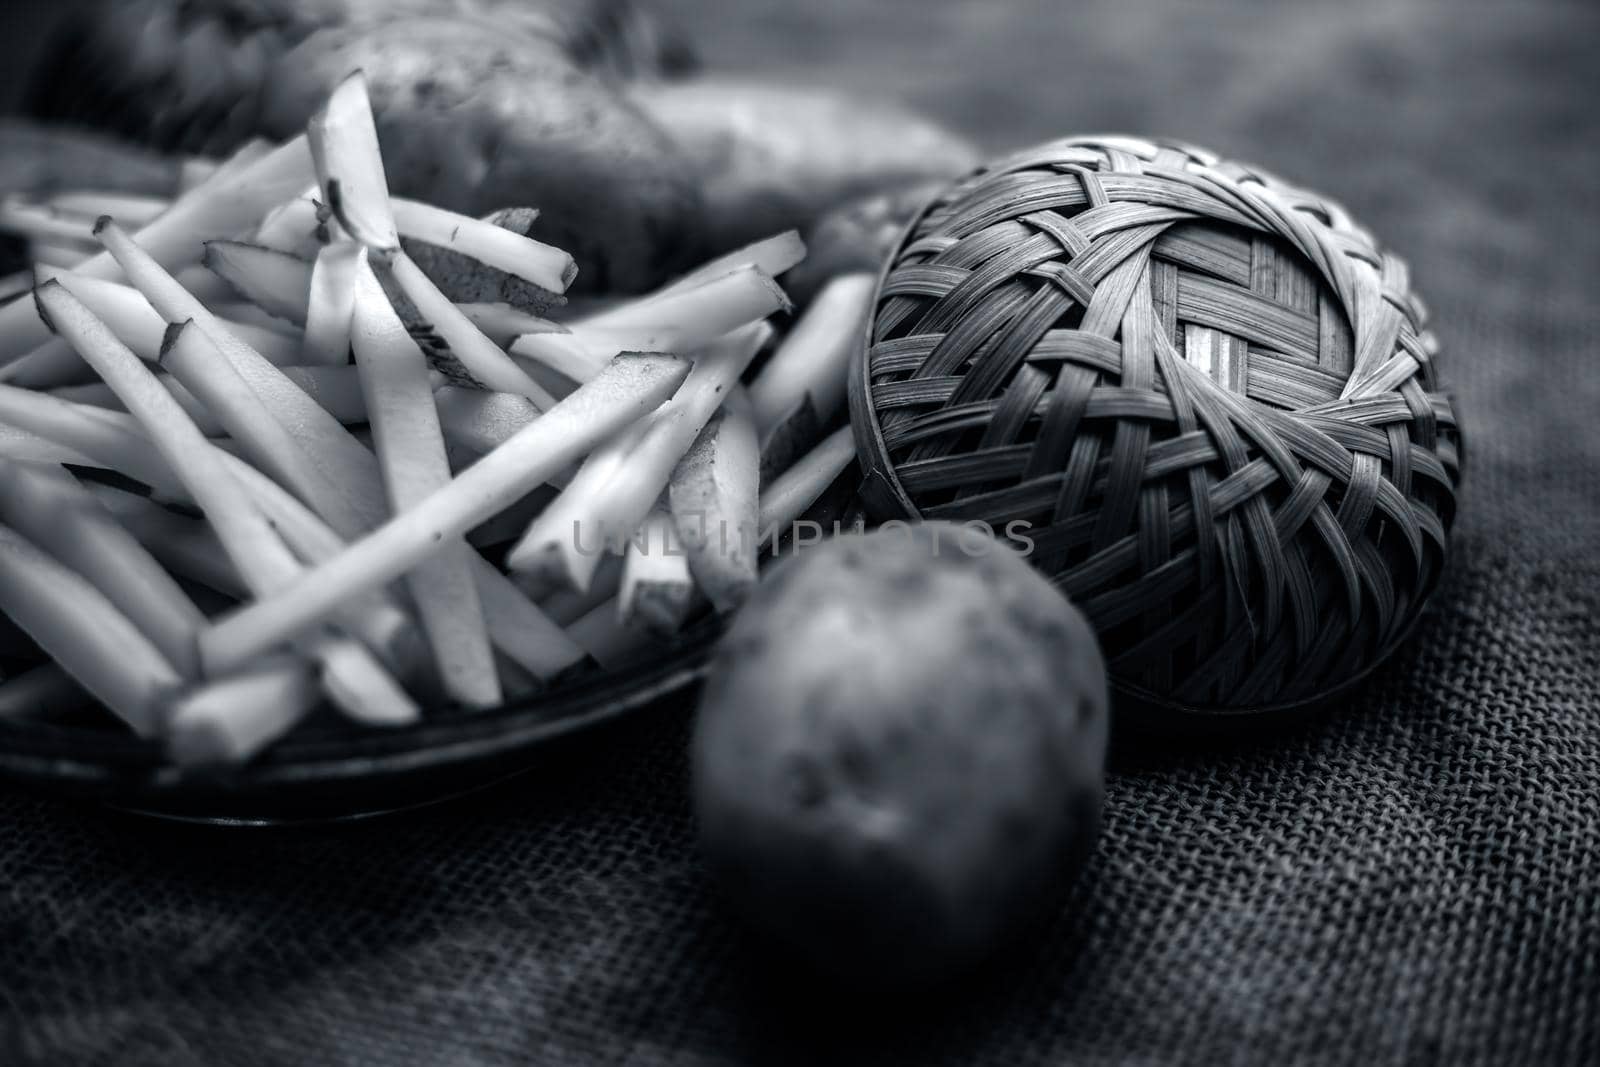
899, 752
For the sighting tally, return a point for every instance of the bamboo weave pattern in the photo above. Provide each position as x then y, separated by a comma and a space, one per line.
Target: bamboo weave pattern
1209, 395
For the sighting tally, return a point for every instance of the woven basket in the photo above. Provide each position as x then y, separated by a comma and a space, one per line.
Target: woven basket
1205, 398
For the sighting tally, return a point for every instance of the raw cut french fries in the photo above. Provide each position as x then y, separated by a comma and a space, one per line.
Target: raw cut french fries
336, 388
493, 246
229, 201
772, 256
344, 148
628, 389
796, 489
813, 360
40, 692
275, 281
195, 361
480, 361
47, 506
310, 424
410, 447
480, 421
621, 482
89, 205
330, 302
22, 446
186, 547
85, 633
264, 350
107, 439
350, 674
714, 493
657, 589
228, 720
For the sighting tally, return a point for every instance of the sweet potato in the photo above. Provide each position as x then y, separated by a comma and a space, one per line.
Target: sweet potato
472, 121
770, 157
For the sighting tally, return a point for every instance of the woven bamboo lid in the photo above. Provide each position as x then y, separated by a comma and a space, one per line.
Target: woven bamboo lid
1201, 399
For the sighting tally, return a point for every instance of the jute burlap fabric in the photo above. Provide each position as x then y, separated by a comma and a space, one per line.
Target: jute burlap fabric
1414, 880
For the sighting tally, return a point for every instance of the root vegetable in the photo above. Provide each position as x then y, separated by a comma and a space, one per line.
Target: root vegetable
871, 795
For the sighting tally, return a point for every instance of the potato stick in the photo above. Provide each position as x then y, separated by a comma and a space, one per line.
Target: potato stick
227, 204
724, 303
15, 284
511, 628
330, 303
105, 441
359, 685
510, 524
58, 254
49, 507
684, 321
657, 589
243, 314
502, 323
186, 547
521, 631
494, 246
25, 447
814, 359
480, 358
230, 720
606, 638
714, 492
91, 204
139, 326
193, 172
567, 606
122, 308
274, 281
795, 434
45, 224
100, 395
338, 389
641, 464
350, 674
81, 630
344, 146
40, 692
630, 388
52, 364
410, 447
196, 362
785, 500
310, 424
772, 256
385, 626
480, 421
295, 227
247, 154
565, 353
563, 546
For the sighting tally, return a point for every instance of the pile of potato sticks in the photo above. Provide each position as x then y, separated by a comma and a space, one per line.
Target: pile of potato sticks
255, 459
